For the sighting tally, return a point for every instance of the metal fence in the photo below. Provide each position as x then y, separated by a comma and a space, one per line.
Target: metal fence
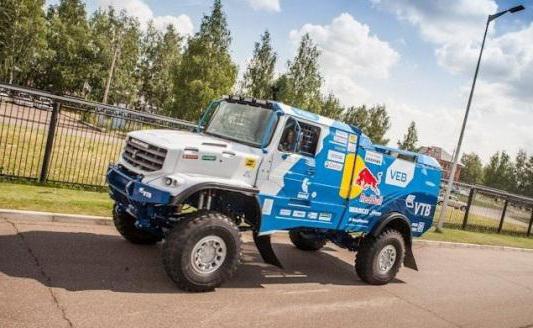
49, 138
484, 209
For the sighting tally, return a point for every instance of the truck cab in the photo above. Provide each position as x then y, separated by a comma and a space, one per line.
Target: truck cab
267, 167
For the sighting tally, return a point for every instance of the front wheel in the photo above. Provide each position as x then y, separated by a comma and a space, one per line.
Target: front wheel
202, 251
125, 225
379, 258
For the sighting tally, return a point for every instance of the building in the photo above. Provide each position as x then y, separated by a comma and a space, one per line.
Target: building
444, 159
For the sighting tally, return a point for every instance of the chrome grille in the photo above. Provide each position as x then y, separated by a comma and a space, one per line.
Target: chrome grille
143, 155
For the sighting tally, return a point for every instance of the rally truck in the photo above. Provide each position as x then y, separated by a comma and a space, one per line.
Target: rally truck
267, 167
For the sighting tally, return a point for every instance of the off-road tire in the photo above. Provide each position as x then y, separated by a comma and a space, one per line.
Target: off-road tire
366, 261
181, 240
125, 225
306, 242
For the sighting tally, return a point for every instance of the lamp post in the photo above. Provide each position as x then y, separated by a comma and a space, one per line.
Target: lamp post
442, 216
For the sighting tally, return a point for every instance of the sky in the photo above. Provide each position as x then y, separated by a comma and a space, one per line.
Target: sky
417, 57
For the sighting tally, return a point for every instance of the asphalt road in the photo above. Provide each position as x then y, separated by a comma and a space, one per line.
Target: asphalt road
72, 275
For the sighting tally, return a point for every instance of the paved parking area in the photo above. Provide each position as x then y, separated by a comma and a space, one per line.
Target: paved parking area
73, 275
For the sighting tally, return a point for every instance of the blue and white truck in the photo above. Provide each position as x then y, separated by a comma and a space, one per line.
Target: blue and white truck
268, 167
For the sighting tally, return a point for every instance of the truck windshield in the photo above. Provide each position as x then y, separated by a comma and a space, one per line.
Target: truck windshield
240, 122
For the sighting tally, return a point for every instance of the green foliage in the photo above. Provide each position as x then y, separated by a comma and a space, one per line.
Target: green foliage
206, 70
300, 86
499, 172
258, 78
331, 107
472, 172
373, 121
410, 139
22, 39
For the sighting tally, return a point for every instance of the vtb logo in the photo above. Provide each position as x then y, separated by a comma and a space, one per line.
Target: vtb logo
419, 208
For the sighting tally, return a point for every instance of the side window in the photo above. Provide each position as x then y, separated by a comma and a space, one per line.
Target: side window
299, 137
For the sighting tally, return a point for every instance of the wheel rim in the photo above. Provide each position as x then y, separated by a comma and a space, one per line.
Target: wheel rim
208, 254
386, 258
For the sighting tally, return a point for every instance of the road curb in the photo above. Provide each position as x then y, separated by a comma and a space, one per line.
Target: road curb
55, 217
104, 220
448, 244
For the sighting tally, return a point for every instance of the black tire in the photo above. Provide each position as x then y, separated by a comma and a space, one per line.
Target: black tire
181, 241
306, 241
125, 225
367, 262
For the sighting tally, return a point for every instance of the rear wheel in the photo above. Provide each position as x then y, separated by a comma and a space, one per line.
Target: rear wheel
202, 251
306, 241
379, 258
125, 225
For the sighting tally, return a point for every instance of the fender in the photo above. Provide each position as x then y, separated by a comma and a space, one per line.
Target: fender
401, 223
212, 185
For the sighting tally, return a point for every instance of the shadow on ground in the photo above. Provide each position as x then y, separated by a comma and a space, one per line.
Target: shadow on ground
85, 261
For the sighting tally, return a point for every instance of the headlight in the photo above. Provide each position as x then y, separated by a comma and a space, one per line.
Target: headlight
170, 181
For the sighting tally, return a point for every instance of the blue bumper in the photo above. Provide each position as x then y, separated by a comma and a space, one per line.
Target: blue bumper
150, 206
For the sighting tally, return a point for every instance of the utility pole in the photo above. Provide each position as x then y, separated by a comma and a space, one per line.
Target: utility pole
110, 75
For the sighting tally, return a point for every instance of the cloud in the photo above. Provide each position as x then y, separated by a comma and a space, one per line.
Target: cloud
144, 14
349, 53
266, 5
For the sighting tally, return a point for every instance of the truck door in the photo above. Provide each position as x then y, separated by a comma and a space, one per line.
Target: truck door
303, 187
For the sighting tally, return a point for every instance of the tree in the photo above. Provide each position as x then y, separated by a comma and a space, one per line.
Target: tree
410, 139
373, 121
331, 107
300, 86
257, 80
22, 39
472, 172
499, 172
116, 42
520, 173
160, 56
68, 62
206, 70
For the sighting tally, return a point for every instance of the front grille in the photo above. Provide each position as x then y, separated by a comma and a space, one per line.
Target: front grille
144, 156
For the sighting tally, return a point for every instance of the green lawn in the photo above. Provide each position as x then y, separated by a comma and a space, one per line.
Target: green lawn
48, 199
480, 238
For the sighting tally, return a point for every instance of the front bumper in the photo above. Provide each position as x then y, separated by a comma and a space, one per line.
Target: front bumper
150, 206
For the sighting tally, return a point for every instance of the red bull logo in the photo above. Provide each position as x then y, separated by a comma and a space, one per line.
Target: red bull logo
367, 180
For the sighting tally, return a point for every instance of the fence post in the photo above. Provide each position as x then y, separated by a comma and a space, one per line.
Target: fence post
530, 223
467, 211
49, 142
503, 215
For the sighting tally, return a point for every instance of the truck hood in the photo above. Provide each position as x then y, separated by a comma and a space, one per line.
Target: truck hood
203, 155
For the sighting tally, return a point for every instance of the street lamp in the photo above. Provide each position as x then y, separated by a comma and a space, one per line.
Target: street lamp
442, 215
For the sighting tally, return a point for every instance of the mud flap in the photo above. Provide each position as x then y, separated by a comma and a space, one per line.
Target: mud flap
265, 249
409, 261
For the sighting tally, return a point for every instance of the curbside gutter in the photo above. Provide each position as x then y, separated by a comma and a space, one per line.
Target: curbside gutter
108, 221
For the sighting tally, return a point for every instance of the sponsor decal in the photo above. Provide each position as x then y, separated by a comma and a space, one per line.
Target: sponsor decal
209, 157
372, 199
298, 214
190, 156
363, 180
335, 156
374, 158
250, 162
341, 134
375, 213
267, 206
304, 194
418, 227
359, 210
312, 215
333, 165
340, 140
359, 221
422, 209
145, 193
285, 212
352, 138
351, 147
324, 217
400, 173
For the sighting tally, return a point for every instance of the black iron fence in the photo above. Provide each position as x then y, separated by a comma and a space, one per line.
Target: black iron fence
49, 138
484, 209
